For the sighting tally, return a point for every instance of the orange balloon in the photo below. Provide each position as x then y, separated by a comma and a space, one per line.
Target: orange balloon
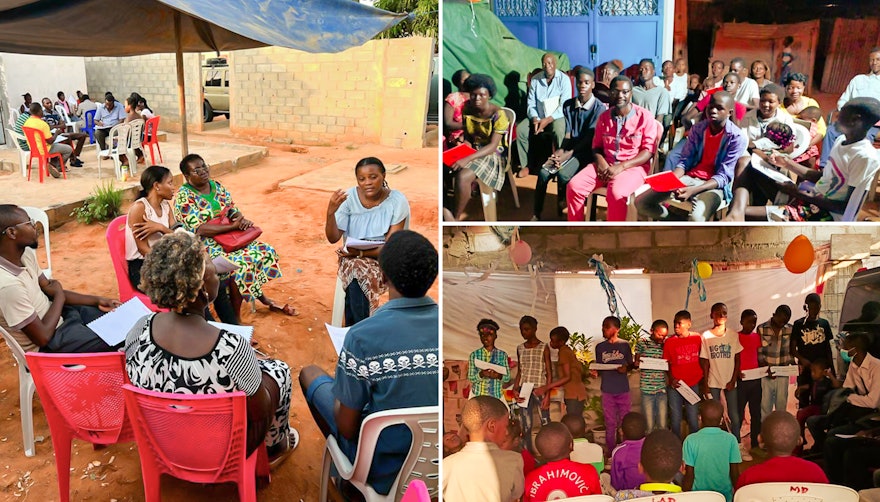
520, 253
799, 255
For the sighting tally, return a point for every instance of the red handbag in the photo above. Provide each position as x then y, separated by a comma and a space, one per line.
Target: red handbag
234, 240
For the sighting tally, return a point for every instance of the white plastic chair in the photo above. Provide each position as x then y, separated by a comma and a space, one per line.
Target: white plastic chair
70, 124
13, 116
857, 198
22, 154
795, 492
42, 218
589, 498
117, 146
586, 452
134, 143
338, 304
421, 463
488, 196
26, 390
698, 496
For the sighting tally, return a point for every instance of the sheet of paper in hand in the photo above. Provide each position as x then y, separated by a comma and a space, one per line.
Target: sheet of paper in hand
113, 326
483, 365
653, 363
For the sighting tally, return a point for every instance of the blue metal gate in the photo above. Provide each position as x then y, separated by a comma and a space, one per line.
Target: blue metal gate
591, 32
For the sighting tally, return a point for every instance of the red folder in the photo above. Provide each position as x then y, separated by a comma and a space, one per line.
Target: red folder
453, 155
666, 181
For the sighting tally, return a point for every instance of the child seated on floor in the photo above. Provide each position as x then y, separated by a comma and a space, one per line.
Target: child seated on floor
811, 391
660, 461
813, 115
559, 477
780, 435
625, 473
710, 454
513, 442
852, 161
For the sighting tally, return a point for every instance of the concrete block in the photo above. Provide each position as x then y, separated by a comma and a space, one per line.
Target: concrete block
563, 241
851, 246
703, 236
597, 242
635, 239
668, 238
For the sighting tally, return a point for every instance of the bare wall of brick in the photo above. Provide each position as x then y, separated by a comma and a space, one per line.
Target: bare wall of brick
154, 76
375, 93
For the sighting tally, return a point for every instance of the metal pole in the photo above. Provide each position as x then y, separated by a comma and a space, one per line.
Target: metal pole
181, 96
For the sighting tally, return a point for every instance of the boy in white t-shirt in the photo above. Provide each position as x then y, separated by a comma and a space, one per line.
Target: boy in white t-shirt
719, 358
853, 160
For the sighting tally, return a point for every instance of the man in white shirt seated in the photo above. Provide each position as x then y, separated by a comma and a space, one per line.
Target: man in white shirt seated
106, 117
544, 120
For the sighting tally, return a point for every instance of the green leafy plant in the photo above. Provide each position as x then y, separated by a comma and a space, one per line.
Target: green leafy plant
593, 405
582, 346
630, 331
103, 204
424, 20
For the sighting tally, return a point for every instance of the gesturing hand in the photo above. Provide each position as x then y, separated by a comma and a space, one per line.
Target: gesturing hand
336, 200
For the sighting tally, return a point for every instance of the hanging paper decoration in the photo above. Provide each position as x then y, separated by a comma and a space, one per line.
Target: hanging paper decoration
799, 255
696, 280
605, 282
704, 269
520, 253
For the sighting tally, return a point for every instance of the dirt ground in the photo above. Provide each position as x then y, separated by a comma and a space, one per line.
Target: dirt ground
292, 219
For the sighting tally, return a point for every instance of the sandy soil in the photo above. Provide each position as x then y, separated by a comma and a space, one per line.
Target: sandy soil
292, 219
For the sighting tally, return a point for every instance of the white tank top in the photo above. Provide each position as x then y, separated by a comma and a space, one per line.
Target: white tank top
131, 250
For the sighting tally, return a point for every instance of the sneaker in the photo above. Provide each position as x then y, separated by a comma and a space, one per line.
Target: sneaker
76, 163
54, 171
745, 453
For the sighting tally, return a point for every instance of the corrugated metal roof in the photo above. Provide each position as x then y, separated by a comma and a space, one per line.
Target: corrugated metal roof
848, 52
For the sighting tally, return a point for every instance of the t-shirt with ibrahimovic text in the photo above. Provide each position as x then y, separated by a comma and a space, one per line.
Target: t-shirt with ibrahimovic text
614, 353
560, 480
721, 352
683, 355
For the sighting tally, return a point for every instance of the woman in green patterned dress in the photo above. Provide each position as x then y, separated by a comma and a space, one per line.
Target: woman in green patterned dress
201, 199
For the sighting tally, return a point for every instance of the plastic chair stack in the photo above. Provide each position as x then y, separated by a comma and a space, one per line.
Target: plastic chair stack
36, 141
117, 145
198, 438
82, 398
151, 137
134, 143
116, 241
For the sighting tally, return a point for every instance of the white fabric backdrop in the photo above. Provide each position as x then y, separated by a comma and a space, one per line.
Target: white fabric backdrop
578, 302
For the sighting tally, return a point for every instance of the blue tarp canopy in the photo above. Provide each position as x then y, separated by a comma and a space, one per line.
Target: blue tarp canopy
135, 27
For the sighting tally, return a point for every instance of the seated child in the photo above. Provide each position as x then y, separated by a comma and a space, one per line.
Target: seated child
652, 383
811, 392
488, 382
780, 435
660, 461
710, 454
513, 442
559, 477
817, 131
482, 470
853, 159
625, 473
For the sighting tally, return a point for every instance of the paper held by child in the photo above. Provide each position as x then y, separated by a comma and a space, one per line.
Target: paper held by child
352, 243
337, 336
687, 393
791, 370
483, 365
113, 326
653, 363
525, 393
754, 374
453, 155
772, 172
666, 181
604, 366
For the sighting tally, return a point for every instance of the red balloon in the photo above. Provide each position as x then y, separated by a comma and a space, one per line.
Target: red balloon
520, 253
799, 255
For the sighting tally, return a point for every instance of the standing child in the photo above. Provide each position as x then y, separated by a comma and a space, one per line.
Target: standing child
488, 382
776, 350
749, 391
653, 382
615, 385
625, 473
559, 477
710, 455
533, 359
811, 335
682, 352
786, 58
571, 375
720, 360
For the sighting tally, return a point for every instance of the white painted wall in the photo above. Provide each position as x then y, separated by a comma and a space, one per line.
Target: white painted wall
42, 76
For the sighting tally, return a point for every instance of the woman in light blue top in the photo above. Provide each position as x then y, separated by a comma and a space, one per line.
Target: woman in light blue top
370, 211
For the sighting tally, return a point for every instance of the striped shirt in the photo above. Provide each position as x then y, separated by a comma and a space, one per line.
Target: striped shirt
487, 386
19, 123
531, 364
775, 349
651, 381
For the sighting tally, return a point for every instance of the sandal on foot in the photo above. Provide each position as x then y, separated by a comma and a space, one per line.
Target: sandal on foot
292, 442
287, 309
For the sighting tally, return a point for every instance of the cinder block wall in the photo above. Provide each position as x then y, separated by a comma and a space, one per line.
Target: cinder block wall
376, 93
153, 76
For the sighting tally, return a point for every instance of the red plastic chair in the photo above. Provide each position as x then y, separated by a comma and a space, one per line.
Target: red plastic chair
116, 242
82, 398
197, 438
151, 137
36, 141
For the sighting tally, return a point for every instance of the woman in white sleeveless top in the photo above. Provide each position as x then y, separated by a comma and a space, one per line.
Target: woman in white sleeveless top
149, 218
